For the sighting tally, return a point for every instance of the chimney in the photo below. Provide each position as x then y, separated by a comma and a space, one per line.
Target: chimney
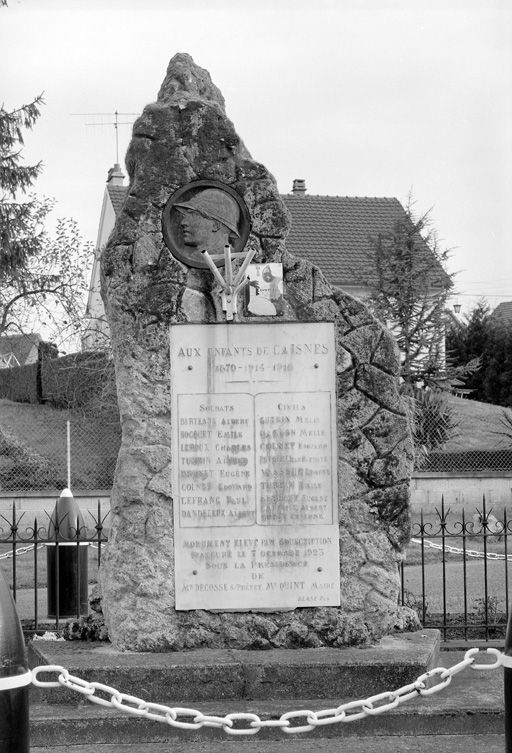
115, 176
299, 187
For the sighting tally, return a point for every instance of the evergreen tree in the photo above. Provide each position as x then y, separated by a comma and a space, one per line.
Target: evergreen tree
491, 340
410, 292
409, 295
42, 279
469, 341
21, 232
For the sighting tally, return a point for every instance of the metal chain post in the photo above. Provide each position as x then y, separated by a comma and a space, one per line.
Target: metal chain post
15, 677
507, 680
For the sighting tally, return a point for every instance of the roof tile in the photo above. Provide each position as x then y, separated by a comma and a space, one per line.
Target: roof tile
333, 232
117, 196
19, 345
503, 312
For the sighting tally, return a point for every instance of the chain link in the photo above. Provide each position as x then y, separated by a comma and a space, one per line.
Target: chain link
18, 552
290, 729
254, 726
247, 723
95, 698
490, 665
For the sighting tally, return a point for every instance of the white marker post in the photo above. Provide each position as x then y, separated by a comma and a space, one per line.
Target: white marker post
68, 427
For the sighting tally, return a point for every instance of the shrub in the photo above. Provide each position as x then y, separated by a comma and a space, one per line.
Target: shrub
433, 422
23, 468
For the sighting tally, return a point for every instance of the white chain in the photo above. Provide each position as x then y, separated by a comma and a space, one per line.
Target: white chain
468, 552
21, 550
24, 549
189, 718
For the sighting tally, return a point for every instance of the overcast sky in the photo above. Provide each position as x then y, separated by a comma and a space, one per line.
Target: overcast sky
359, 98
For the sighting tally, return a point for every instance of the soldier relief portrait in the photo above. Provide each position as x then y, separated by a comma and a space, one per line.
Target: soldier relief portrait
205, 215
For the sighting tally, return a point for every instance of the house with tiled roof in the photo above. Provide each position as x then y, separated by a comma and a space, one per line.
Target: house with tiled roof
113, 198
502, 314
18, 350
337, 233
333, 232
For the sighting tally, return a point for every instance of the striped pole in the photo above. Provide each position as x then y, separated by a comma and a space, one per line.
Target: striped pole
15, 678
507, 668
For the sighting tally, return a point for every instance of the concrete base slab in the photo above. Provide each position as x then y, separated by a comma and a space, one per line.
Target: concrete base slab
216, 674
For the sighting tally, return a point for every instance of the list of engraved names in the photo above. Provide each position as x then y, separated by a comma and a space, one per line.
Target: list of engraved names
254, 475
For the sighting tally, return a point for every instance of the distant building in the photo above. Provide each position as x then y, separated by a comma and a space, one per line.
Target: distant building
97, 333
336, 232
18, 350
502, 314
333, 232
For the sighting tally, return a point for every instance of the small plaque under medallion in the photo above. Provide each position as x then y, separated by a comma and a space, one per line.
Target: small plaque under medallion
254, 466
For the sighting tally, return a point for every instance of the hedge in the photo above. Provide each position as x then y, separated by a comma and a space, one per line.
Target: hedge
72, 381
67, 382
19, 383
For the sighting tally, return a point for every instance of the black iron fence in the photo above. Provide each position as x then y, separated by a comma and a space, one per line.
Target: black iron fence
455, 574
457, 569
51, 563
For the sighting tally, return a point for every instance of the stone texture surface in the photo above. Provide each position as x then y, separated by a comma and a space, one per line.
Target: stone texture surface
218, 674
184, 136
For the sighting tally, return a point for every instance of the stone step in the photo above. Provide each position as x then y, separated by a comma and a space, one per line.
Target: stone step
493, 743
473, 707
209, 674
54, 725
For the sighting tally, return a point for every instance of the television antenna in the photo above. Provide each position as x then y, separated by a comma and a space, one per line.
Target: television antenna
116, 122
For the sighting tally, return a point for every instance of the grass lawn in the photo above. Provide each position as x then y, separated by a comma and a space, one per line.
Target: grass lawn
454, 574
27, 561
95, 440
33, 424
479, 426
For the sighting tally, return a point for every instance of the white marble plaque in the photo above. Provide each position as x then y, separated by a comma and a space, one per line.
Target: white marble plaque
254, 466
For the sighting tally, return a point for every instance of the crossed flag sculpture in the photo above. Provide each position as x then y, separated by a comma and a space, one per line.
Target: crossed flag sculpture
230, 288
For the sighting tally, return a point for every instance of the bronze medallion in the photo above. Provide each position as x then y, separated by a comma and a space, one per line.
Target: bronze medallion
205, 214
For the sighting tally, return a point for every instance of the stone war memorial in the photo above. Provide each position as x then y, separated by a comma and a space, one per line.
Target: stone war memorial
261, 492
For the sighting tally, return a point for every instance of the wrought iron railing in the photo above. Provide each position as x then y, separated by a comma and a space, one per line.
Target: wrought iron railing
457, 569
33, 553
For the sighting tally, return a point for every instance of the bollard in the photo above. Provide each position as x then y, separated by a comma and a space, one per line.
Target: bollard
66, 560
14, 678
508, 686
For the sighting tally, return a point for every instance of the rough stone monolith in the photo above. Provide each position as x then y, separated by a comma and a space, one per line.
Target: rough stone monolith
186, 136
